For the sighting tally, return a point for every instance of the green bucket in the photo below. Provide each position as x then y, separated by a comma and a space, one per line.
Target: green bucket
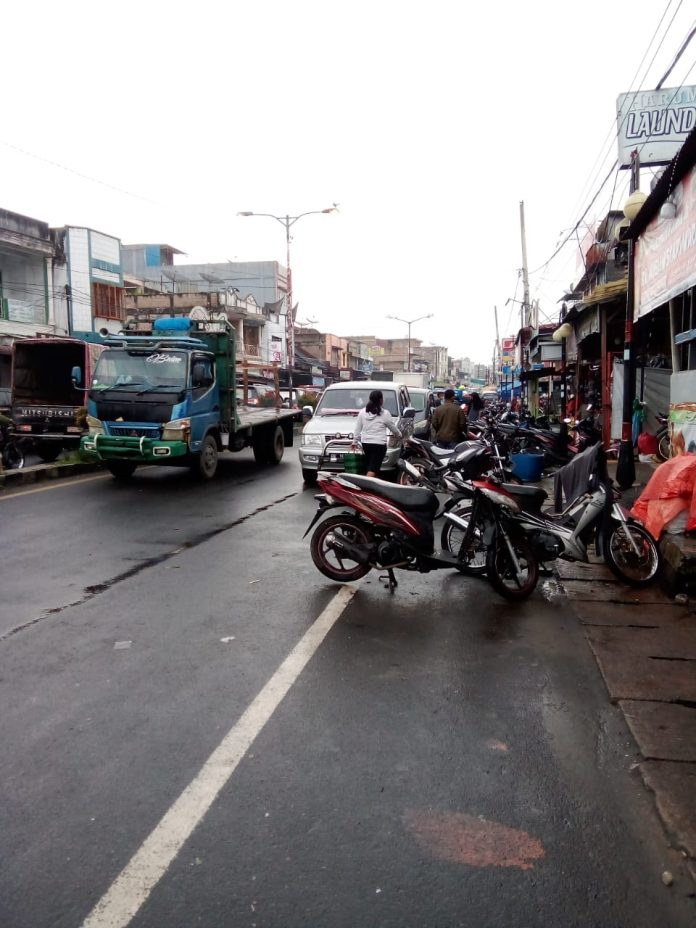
354, 463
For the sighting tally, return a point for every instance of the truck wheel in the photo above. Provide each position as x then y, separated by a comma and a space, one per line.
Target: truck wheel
48, 452
207, 461
277, 446
309, 477
121, 470
268, 445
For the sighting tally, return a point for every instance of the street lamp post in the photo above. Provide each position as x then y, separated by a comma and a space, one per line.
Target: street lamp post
409, 323
288, 222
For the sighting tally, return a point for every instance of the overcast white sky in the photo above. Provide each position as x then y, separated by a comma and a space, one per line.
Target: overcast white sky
427, 123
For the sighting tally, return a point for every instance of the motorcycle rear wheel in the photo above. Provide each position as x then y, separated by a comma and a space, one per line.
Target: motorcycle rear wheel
451, 540
501, 571
406, 480
327, 559
664, 447
635, 569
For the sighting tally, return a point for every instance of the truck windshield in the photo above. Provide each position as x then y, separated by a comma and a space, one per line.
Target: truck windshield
124, 369
336, 401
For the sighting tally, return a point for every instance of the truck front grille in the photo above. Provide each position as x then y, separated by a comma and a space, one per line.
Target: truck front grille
121, 431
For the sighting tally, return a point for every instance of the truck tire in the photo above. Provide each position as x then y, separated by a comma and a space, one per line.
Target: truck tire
207, 459
268, 445
48, 451
309, 477
121, 470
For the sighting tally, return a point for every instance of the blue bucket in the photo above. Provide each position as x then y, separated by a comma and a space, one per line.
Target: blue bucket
528, 466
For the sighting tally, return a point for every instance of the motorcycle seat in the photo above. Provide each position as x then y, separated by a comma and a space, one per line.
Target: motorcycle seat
528, 493
414, 499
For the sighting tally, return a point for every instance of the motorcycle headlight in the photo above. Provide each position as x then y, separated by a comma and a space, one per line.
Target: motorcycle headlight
95, 426
312, 441
177, 430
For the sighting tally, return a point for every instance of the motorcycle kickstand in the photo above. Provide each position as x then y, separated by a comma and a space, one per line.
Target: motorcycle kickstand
391, 581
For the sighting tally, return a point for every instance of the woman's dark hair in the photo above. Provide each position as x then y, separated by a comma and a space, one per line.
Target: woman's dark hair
374, 406
476, 401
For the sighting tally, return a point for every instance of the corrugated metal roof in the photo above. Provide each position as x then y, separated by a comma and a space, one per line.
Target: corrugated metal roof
605, 292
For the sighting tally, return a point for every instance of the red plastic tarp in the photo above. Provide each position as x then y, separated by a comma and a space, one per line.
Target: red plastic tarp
670, 490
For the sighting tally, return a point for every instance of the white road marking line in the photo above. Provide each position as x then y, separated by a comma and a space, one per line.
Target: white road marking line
54, 486
132, 887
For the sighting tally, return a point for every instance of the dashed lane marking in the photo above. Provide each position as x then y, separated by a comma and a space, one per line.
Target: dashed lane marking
133, 886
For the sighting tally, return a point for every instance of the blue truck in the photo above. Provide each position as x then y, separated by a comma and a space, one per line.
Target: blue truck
177, 396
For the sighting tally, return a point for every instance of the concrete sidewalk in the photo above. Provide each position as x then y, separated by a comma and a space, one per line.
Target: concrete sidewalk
644, 642
36, 473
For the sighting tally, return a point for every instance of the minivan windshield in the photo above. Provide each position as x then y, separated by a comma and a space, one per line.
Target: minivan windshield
417, 400
334, 402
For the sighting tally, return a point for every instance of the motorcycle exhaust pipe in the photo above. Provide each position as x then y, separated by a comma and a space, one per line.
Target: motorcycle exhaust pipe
357, 553
451, 517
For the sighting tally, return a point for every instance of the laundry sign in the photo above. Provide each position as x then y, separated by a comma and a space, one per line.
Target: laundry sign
655, 123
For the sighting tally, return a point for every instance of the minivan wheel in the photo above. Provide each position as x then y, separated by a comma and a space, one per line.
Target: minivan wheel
309, 477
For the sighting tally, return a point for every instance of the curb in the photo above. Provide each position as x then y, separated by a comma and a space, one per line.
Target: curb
38, 473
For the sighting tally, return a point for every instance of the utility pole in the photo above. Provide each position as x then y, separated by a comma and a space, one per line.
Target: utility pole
498, 348
626, 466
524, 311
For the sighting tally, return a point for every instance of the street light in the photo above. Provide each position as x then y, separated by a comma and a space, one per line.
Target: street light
409, 323
289, 221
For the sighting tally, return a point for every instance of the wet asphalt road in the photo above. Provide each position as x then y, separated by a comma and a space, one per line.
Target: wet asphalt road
443, 759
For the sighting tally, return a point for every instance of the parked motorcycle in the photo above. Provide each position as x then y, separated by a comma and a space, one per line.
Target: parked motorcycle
483, 451
10, 451
664, 446
388, 527
629, 550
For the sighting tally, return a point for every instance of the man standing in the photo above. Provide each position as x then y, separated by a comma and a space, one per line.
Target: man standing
449, 422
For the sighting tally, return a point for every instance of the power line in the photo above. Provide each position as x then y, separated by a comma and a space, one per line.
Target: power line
601, 158
93, 180
615, 164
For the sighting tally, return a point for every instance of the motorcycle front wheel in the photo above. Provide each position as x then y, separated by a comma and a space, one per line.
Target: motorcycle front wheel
325, 548
451, 540
12, 457
636, 568
501, 569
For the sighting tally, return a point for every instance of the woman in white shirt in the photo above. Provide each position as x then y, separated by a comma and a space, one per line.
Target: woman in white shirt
371, 431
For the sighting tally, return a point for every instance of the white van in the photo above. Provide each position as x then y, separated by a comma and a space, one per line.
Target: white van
334, 421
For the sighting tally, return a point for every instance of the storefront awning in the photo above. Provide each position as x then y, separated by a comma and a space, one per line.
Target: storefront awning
540, 373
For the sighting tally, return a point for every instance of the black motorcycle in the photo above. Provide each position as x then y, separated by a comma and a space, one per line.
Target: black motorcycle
10, 451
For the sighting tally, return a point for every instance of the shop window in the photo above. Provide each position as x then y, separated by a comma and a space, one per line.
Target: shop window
107, 302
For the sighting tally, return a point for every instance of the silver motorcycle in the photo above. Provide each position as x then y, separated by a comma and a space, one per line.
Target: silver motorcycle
594, 516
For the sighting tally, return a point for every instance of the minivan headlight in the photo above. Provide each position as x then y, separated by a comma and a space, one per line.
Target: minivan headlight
176, 430
312, 441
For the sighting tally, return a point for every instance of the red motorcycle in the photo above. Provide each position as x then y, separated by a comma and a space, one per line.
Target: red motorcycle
384, 527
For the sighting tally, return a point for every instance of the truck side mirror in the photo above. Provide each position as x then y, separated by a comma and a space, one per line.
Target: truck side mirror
409, 413
76, 376
307, 412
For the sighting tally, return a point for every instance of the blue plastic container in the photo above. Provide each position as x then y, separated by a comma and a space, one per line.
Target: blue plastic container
528, 466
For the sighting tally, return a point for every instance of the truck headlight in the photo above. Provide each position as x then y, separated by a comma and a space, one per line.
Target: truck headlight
312, 441
177, 430
95, 426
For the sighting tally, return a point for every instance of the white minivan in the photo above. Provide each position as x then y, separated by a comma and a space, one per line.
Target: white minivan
328, 435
